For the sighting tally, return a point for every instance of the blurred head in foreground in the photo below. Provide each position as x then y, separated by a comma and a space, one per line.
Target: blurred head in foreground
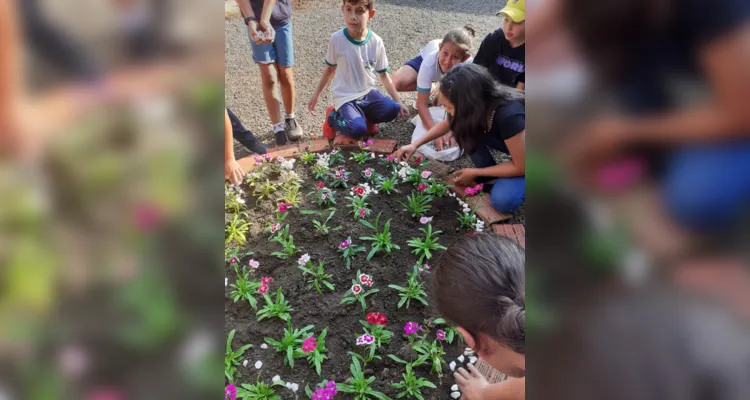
478, 285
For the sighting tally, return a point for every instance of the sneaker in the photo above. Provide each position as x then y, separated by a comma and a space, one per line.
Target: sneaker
257, 147
294, 131
281, 138
328, 132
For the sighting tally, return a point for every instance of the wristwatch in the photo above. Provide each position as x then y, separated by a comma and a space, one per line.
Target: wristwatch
248, 19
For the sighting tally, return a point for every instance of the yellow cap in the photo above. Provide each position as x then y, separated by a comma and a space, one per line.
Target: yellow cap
515, 10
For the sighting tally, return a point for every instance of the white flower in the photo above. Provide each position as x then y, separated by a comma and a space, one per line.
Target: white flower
275, 379
372, 155
304, 259
264, 346
460, 359
288, 385
241, 201
258, 364
452, 365
244, 363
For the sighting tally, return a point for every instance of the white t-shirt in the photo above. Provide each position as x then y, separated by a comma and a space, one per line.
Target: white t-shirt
430, 70
357, 65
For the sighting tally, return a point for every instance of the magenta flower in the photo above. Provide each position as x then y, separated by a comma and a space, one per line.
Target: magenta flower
280, 159
364, 279
275, 227
370, 142
390, 158
362, 213
343, 245
326, 393
266, 280
470, 191
412, 328
422, 187
426, 174
368, 339
356, 289
254, 264
230, 392
368, 172
263, 288
309, 345
441, 334
334, 151
234, 260
282, 208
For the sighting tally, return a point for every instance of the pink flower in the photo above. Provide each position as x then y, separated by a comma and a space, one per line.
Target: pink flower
421, 187
266, 156
427, 266
309, 345
234, 260
356, 289
362, 213
441, 334
359, 190
282, 207
470, 191
147, 217
324, 196
426, 174
370, 142
425, 220
348, 242
390, 158
343, 245
275, 227
230, 392
263, 288
346, 178
368, 172
364, 278
266, 280
368, 339
479, 187
412, 328
280, 159
320, 185
303, 259
334, 152
254, 264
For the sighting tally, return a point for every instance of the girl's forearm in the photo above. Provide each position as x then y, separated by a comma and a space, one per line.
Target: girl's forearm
228, 138
704, 124
510, 389
440, 129
503, 170
425, 116
245, 8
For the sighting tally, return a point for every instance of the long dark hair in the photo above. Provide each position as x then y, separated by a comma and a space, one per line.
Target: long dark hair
478, 284
474, 94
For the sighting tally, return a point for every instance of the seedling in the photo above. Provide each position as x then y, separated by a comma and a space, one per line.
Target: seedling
349, 250
244, 288
381, 241
287, 241
423, 248
437, 188
259, 391
315, 355
322, 225
417, 204
387, 185
279, 308
434, 354
337, 157
291, 340
232, 358
263, 190
357, 291
415, 290
308, 158
411, 386
236, 230
360, 386
322, 196
339, 178
320, 171
317, 276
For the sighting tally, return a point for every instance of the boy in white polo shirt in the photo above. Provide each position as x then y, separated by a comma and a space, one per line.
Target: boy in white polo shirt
356, 59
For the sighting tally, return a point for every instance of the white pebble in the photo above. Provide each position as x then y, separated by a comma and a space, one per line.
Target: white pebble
244, 363
452, 365
226, 282
455, 395
275, 379
472, 360
264, 346
289, 385
258, 364
461, 358
294, 387
454, 388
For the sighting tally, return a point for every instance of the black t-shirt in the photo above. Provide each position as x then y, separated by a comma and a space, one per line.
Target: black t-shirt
509, 120
506, 63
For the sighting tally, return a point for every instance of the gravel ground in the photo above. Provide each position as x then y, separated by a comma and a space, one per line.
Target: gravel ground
314, 21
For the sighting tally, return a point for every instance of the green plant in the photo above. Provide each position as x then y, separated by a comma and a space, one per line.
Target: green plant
359, 205
287, 242
263, 190
236, 230
259, 391
417, 204
316, 357
412, 386
381, 241
357, 291
382, 336
415, 290
424, 248
291, 340
233, 198
292, 194
468, 219
279, 308
323, 197
437, 188
320, 171
244, 288
336, 157
360, 386
451, 333
349, 250
433, 353
318, 278
387, 185
322, 225
233, 255
308, 158
339, 178
232, 357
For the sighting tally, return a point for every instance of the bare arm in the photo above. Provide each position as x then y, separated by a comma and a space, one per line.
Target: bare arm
424, 110
10, 75
509, 389
228, 139
511, 169
328, 74
265, 15
244, 6
385, 79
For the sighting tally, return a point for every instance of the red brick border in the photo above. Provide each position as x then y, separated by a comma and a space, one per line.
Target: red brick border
516, 232
481, 204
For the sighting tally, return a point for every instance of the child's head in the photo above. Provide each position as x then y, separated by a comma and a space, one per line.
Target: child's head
514, 20
357, 13
456, 47
469, 93
478, 285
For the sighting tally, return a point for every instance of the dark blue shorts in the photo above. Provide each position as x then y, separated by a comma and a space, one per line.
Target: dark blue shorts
415, 63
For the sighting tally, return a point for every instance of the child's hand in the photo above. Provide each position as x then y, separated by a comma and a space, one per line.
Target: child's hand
471, 383
465, 176
404, 110
312, 103
233, 172
252, 27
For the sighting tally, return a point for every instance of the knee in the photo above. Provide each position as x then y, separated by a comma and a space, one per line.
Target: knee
393, 111
695, 207
286, 76
400, 84
268, 78
354, 129
507, 196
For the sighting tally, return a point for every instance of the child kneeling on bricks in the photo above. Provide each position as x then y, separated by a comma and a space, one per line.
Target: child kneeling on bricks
356, 58
478, 285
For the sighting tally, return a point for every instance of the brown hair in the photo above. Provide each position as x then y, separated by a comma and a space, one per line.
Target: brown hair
478, 284
369, 4
461, 37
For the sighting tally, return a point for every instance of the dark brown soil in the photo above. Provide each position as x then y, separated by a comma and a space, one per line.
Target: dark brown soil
324, 310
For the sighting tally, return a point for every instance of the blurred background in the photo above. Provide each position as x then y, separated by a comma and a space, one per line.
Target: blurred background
638, 199
111, 184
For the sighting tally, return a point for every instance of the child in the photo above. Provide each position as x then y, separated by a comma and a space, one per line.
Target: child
483, 114
503, 52
478, 285
437, 58
269, 26
355, 56
233, 129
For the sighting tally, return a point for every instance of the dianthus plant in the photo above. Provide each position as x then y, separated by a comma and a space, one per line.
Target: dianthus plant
451, 332
232, 358
357, 291
322, 225
370, 175
244, 288
336, 157
467, 218
279, 308
308, 158
263, 190
358, 200
363, 155
340, 178
287, 241
349, 250
322, 196
387, 184
418, 177
320, 170
233, 198
417, 204
292, 340
415, 290
375, 334
423, 248
411, 386
359, 386
381, 241
236, 230
390, 161
314, 350
316, 276
433, 353
437, 188
259, 391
